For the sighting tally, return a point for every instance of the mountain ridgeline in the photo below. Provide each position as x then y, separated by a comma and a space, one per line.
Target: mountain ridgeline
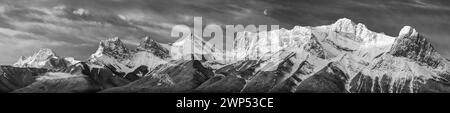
343, 57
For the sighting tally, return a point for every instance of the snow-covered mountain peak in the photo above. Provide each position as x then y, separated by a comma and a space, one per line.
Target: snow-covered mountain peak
195, 47
113, 54
344, 21
44, 58
340, 57
347, 26
22, 58
148, 44
407, 31
113, 47
344, 25
301, 32
110, 41
414, 46
81, 11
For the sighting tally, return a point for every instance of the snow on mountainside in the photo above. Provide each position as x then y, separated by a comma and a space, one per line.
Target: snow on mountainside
413, 45
411, 65
113, 54
286, 60
344, 36
45, 58
343, 57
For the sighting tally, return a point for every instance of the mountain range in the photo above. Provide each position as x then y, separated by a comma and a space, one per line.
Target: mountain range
343, 57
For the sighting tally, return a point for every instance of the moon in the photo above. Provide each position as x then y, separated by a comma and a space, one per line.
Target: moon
265, 11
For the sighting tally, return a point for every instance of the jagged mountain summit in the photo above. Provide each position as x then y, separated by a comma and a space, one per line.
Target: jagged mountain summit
343, 57
414, 46
158, 49
45, 58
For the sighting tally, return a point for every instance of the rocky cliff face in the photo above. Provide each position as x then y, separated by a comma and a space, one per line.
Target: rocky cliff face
414, 46
178, 76
113, 47
343, 57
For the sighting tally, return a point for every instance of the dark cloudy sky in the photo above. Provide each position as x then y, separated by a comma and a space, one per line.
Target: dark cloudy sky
74, 27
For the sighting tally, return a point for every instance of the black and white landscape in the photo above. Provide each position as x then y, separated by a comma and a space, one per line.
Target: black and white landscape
136, 56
